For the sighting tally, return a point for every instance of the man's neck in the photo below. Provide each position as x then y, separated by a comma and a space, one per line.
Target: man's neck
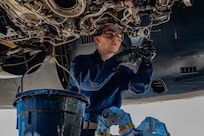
105, 56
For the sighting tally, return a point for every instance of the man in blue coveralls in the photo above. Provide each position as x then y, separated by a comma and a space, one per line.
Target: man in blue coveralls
103, 79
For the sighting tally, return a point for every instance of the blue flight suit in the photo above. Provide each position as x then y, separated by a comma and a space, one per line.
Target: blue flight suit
104, 82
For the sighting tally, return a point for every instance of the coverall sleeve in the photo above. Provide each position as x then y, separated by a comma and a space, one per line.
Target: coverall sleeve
141, 81
91, 76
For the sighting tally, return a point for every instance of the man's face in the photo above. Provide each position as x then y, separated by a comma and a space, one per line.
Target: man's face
110, 39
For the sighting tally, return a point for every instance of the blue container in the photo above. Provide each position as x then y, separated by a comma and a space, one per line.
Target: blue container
50, 112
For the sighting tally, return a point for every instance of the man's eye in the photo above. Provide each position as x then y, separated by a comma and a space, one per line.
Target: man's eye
119, 35
109, 34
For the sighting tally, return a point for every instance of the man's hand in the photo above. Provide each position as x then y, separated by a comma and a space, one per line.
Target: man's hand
147, 51
126, 56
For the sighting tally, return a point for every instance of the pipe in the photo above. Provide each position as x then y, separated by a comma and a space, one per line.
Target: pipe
67, 8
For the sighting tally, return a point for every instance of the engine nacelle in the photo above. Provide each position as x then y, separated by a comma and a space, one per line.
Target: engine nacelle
61, 22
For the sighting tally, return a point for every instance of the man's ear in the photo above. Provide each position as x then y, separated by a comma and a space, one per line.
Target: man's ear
96, 38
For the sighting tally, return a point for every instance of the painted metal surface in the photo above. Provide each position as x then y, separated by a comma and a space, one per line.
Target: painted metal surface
49, 112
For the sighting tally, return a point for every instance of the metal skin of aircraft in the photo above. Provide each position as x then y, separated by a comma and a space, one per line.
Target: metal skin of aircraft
50, 33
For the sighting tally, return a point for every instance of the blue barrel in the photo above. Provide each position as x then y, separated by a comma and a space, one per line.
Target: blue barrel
50, 112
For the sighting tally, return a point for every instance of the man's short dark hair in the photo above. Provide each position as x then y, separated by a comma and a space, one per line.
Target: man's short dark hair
102, 28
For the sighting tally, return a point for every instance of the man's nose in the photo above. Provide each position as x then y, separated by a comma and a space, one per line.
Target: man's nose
115, 37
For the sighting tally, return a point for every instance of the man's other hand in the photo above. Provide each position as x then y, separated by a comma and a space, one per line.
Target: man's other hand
147, 51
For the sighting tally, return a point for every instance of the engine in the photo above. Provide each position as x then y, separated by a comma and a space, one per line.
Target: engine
27, 25
60, 22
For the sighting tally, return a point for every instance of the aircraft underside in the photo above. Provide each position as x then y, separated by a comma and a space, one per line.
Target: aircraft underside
32, 31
